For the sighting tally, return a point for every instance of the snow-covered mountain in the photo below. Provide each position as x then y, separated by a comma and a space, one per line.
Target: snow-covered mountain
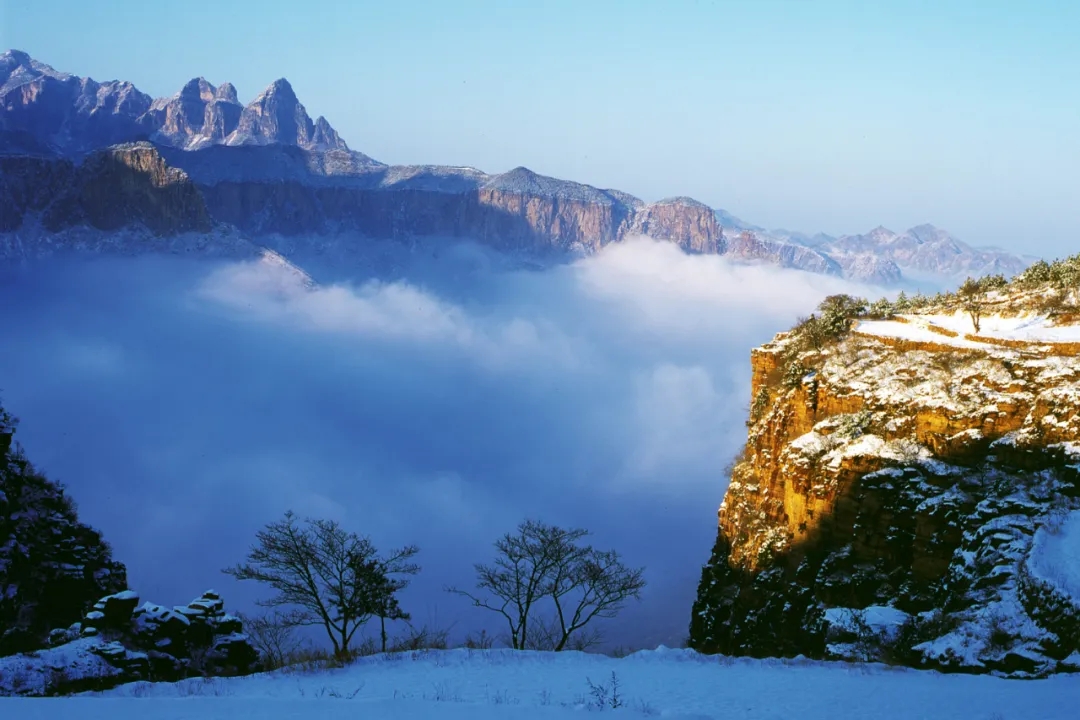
267, 168
59, 113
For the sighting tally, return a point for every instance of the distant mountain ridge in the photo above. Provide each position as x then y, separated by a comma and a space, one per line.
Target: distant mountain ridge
268, 169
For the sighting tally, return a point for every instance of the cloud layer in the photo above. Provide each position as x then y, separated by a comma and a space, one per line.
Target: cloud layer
187, 403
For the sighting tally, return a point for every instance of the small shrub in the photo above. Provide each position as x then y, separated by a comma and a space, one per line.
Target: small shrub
420, 638
606, 694
480, 641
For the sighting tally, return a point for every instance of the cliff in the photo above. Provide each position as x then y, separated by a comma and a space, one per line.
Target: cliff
125, 185
52, 567
902, 476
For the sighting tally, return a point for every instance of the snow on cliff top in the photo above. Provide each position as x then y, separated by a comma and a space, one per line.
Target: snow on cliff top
1032, 328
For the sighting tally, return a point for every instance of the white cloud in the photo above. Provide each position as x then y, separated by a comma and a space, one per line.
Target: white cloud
186, 404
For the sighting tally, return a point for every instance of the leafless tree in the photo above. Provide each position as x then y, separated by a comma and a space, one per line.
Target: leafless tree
273, 636
541, 562
321, 575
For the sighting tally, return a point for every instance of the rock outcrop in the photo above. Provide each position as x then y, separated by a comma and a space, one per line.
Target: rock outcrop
890, 492
120, 641
52, 567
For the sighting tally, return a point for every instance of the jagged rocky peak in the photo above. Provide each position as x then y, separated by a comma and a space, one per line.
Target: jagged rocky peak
910, 480
276, 117
198, 89
326, 137
197, 116
226, 91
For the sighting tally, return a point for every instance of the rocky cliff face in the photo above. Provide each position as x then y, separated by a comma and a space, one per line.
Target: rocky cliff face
111, 189
891, 496
688, 223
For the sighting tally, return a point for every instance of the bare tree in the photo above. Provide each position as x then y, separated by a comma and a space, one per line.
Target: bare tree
273, 636
971, 298
544, 562
321, 574
596, 585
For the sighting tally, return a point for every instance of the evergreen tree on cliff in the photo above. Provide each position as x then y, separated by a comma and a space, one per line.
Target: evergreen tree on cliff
52, 567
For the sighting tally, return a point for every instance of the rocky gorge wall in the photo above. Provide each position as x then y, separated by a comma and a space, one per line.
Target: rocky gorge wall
885, 475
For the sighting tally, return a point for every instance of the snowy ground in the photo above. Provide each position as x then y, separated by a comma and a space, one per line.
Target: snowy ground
1055, 555
922, 328
504, 684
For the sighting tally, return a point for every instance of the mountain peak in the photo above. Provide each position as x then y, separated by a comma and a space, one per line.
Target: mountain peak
16, 58
227, 91
279, 88
928, 233
276, 117
325, 137
197, 88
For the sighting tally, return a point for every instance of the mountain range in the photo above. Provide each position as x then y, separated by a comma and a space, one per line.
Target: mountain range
82, 158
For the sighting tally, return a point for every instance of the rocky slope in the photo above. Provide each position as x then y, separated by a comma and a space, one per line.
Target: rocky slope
896, 475
268, 169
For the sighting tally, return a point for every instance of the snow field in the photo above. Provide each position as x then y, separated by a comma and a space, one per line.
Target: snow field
508, 684
921, 328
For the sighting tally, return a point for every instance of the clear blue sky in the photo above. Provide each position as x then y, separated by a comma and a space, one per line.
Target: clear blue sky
813, 115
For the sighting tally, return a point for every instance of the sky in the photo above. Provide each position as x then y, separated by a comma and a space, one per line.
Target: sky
185, 404
813, 115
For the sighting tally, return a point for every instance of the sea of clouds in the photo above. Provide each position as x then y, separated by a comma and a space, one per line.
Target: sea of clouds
438, 397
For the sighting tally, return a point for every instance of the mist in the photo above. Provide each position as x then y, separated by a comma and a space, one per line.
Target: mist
438, 398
